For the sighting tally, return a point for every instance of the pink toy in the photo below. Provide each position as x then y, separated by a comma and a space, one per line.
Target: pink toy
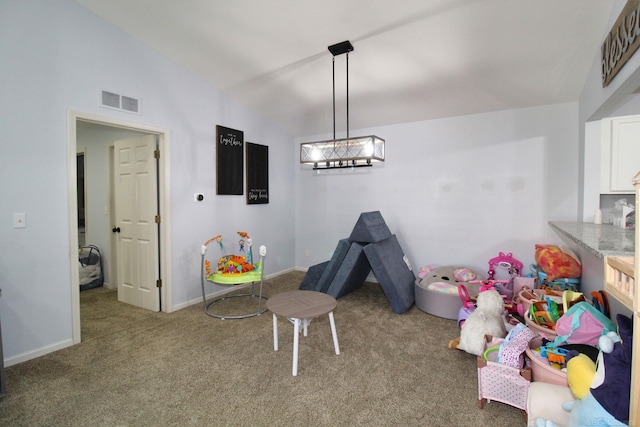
506, 262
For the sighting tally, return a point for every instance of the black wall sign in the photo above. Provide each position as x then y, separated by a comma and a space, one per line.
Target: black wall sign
229, 155
257, 174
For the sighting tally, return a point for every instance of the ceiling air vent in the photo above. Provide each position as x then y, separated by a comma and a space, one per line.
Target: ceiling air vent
119, 102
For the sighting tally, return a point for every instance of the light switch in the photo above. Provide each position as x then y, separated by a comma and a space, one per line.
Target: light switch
19, 220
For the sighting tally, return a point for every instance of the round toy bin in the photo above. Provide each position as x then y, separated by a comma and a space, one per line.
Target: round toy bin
527, 296
441, 299
542, 371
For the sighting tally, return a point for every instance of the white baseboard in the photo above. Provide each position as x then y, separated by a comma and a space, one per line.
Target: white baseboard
37, 353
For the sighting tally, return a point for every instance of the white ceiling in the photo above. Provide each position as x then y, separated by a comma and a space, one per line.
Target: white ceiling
413, 59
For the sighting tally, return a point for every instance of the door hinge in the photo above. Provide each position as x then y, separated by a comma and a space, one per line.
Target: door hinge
156, 154
159, 283
157, 219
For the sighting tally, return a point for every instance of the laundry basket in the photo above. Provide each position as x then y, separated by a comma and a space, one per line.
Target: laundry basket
90, 269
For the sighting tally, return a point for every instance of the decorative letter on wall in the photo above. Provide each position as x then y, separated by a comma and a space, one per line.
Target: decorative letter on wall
622, 41
229, 154
257, 174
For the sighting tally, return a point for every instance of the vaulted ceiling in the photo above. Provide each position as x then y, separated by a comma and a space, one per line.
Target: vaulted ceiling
412, 60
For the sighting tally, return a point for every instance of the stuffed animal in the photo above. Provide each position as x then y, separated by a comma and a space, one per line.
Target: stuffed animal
558, 262
487, 319
424, 270
606, 401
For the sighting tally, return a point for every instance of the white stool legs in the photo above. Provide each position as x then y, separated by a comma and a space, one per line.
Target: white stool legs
296, 335
333, 332
275, 332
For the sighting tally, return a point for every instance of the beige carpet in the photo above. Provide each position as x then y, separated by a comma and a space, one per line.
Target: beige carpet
137, 368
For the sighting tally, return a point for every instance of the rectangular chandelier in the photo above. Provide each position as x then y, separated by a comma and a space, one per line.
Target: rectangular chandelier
343, 153
346, 152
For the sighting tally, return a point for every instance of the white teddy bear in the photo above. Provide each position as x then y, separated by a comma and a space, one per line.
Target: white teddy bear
487, 319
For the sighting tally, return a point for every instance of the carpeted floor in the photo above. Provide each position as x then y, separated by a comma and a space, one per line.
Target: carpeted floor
138, 368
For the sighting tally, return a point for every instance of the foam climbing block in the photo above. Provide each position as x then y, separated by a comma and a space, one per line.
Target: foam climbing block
311, 279
393, 272
370, 228
352, 273
333, 265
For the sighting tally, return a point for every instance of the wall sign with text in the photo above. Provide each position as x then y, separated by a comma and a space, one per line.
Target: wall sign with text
257, 174
229, 157
622, 41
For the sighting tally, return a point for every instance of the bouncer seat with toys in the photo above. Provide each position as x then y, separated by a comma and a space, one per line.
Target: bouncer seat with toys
233, 270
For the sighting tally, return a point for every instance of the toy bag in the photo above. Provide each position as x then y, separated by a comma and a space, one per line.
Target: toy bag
582, 324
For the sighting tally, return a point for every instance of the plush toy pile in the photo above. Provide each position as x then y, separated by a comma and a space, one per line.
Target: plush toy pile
601, 389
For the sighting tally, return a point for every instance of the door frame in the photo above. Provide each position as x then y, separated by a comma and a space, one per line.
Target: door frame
164, 205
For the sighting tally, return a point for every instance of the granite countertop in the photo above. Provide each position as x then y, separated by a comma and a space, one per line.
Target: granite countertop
600, 239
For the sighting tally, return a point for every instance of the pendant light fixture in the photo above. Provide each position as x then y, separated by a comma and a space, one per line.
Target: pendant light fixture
346, 152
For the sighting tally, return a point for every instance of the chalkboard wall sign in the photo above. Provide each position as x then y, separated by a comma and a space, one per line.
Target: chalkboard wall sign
257, 174
229, 156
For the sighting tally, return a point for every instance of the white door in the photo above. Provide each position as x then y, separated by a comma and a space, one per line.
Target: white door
136, 207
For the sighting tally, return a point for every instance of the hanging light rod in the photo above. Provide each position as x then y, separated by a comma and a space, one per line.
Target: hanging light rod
344, 152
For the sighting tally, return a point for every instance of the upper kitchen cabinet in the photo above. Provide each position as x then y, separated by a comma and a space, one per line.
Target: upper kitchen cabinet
620, 156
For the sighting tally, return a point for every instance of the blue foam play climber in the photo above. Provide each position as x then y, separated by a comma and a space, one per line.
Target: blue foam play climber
370, 247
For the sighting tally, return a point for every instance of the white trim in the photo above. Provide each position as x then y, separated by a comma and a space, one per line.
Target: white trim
165, 205
37, 353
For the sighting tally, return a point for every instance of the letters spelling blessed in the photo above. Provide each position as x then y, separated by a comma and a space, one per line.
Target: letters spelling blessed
621, 42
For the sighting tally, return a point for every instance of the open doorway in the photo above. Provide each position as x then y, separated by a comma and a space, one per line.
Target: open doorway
98, 129
80, 166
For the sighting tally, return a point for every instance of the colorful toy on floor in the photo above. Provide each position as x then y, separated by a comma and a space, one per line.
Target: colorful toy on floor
582, 324
505, 262
487, 319
546, 312
558, 262
601, 302
233, 264
554, 354
439, 292
504, 382
605, 401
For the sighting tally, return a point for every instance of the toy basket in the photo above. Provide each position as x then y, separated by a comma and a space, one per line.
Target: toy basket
500, 382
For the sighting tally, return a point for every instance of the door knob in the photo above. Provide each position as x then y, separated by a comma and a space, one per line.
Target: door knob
116, 229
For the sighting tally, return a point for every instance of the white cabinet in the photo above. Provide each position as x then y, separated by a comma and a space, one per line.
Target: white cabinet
620, 155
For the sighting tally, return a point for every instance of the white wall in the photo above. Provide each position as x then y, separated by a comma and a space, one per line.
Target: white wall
455, 191
595, 103
56, 56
